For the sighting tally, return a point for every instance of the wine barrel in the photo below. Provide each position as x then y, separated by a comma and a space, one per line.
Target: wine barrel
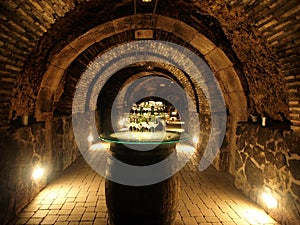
154, 204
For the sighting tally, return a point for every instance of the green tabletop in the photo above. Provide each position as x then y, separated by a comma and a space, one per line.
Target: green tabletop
135, 137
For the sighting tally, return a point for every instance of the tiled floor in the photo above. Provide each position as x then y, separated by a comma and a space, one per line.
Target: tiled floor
206, 198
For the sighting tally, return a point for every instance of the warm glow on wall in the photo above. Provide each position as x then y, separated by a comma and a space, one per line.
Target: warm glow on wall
270, 201
37, 173
184, 148
100, 147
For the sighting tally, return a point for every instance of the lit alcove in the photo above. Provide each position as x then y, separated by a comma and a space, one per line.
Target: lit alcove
136, 93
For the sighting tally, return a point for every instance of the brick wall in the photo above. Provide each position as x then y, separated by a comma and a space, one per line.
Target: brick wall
22, 25
270, 28
278, 23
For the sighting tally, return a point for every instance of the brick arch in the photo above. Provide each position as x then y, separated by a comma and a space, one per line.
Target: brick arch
269, 54
119, 85
215, 57
178, 76
217, 60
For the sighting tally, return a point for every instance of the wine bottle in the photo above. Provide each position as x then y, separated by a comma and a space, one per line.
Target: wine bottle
152, 110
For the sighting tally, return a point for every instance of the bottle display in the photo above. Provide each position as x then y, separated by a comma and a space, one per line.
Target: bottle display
147, 116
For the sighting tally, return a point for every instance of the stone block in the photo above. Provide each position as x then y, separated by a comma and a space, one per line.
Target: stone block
271, 146
241, 183
270, 156
83, 42
24, 134
259, 155
184, 31
165, 23
280, 160
37, 128
230, 80
269, 172
49, 80
263, 136
254, 174
293, 144
141, 21
45, 101
240, 143
102, 31
295, 188
123, 24
295, 168
218, 60
203, 44
249, 151
238, 161
65, 57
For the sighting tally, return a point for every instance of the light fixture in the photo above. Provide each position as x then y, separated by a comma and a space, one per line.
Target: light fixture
90, 138
270, 201
121, 122
37, 173
146, 0
195, 140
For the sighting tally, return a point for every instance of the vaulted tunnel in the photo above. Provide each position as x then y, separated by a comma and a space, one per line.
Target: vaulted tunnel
251, 49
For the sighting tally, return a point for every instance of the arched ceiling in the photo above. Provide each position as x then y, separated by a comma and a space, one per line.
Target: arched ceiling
259, 37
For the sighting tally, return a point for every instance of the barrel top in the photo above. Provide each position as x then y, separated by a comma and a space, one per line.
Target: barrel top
132, 137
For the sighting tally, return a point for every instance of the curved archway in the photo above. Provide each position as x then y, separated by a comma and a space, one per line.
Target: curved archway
215, 57
217, 60
118, 84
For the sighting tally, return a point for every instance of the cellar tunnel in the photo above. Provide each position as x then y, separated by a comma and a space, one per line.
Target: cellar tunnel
62, 59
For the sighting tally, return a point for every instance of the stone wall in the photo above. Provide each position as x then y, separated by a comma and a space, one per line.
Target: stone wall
268, 160
23, 148
65, 150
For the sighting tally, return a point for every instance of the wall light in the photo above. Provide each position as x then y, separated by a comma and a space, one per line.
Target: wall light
195, 140
37, 173
90, 138
121, 122
270, 201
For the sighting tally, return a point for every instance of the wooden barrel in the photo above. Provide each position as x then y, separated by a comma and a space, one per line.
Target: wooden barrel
154, 204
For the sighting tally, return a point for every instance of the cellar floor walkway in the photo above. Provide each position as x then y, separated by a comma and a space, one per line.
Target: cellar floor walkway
206, 198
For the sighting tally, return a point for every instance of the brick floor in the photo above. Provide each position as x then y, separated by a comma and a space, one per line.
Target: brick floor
78, 198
